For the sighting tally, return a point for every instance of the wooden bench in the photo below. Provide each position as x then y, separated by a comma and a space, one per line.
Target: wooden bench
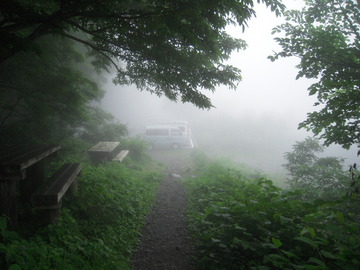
121, 156
22, 170
103, 152
48, 197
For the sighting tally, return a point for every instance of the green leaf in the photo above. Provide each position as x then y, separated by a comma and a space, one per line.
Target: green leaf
215, 240
14, 267
312, 232
236, 241
328, 254
237, 227
307, 241
289, 254
276, 242
316, 260
340, 217
312, 91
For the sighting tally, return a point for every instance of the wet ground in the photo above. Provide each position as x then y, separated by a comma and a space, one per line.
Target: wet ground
165, 242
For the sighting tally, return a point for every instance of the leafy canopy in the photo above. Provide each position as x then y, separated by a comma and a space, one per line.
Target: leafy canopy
325, 35
48, 97
175, 48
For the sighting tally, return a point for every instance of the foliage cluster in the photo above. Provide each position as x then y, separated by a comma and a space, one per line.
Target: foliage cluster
137, 147
98, 228
170, 48
50, 95
251, 224
325, 35
317, 176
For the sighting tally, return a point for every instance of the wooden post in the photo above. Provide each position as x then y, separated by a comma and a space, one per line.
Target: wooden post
8, 201
35, 177
73, 187
51, 214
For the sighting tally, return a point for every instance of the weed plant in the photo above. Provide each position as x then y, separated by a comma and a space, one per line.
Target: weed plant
242, 223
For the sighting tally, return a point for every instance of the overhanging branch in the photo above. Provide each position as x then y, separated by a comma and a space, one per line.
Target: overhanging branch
98, 50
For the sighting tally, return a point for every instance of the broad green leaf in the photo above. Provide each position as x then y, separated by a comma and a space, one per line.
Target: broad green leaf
307, 241
276, 242
237, 227
289, 254
312, 232
316, 260
328, 254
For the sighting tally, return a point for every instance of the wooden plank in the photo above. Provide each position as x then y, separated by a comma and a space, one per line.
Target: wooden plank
51, 193
103, 151
20, 158
105, 147
121, 156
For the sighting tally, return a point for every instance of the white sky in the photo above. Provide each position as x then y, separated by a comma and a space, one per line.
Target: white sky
268, 103
270, 87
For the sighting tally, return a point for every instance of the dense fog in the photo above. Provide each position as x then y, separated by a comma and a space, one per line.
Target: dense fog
256, 124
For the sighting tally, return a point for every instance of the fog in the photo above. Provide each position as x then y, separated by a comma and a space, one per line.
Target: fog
256, 124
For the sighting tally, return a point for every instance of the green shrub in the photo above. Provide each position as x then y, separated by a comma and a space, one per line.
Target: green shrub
319, 177
138, 149
251, 224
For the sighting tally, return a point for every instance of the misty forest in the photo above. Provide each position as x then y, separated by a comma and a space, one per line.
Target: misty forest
129, 140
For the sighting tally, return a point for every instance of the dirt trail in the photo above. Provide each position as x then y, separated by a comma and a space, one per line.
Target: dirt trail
165, 243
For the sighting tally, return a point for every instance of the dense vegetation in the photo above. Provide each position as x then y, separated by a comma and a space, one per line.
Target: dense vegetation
171, 48
325, 36
248, 223
319, 177
98, 228
48, 94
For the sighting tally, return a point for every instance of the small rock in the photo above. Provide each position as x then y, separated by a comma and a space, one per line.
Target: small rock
176, 176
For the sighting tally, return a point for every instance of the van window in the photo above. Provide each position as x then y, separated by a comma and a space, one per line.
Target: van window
182, 128
175, 131
157, 132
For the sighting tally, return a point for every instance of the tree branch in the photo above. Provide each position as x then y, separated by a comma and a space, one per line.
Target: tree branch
352, 26
98, 50
92, 33
10, 112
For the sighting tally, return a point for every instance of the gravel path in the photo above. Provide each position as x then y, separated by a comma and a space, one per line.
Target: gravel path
165, 242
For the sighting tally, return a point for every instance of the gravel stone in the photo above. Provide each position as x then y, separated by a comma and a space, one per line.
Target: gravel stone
165, 242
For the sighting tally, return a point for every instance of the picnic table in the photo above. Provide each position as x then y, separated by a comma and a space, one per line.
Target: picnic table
27, 165
103, 151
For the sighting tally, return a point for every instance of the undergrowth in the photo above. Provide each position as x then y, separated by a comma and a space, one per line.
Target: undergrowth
242, 223
98, 228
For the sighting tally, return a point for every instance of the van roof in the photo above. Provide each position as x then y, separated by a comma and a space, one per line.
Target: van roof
161, 126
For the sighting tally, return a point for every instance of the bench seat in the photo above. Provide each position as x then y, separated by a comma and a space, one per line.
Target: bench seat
49, 195
120, 157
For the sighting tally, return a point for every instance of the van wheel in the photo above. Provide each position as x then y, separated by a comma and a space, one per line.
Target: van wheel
175, 146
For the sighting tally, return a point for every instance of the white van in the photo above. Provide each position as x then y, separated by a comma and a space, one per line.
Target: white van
166, 136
